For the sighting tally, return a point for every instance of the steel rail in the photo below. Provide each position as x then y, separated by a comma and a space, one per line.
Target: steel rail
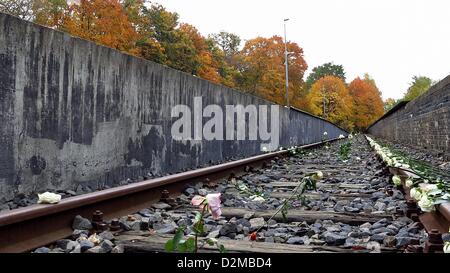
26, 228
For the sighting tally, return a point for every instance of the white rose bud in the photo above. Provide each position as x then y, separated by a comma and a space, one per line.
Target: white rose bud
415, 194
397, 181
409, 183
317, 176
49, 198
426, 204
257, 198
405, 166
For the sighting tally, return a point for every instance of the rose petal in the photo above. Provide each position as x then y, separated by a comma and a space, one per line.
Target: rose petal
197, 200
216, 213
213, 200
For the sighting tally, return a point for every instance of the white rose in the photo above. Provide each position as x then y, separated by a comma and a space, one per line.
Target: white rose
257, 198
389, 162
409, 183
341, 136
325, 133
317, 176
49, 198
94, 239
350, 136
447, 247
428, 187
415, 194
426, 204
397, 181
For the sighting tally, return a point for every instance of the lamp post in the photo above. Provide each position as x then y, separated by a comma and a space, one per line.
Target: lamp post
286, 63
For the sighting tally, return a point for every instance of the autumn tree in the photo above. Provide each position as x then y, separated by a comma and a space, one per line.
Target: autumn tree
327, 69
418, 86
207, 64
329, 98
368, 105
101, 21
50, 12
262, 68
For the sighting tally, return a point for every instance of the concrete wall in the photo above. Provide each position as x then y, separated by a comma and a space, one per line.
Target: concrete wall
423, 123
73, 112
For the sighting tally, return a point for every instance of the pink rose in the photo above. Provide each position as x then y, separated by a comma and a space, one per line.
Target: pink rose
212, 202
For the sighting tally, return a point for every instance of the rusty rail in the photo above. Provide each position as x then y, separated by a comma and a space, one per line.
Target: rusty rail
26, 228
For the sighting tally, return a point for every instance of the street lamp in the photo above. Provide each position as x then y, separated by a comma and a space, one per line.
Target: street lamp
286, 63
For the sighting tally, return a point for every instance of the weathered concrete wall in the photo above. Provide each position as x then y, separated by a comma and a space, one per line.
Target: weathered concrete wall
72, 112
423, 123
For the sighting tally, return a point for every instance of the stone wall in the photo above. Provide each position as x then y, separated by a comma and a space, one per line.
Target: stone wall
76, 113
423, 123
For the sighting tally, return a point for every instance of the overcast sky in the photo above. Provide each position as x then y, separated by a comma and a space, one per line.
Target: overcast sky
392, 40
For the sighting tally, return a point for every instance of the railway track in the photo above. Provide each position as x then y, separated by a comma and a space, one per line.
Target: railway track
354, 209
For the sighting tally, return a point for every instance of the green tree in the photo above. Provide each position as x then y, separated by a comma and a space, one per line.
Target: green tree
419, 85
327, 69
389, 104
229, 44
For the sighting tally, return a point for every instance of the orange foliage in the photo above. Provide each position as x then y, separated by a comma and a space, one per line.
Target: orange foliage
262, 63
368, 105
331, 92
101, 21
207, 68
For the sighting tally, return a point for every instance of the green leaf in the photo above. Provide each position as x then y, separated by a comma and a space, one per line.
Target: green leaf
178, 236
199, 228
198, 217
169, 247
222, 249
182, 247
190, 244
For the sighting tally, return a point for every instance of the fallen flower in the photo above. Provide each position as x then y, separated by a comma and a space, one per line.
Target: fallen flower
341, 136
94, 239
257, 198
397, 181
253, 236
49, 198
415, 193
317, 176
426, 204
409, 183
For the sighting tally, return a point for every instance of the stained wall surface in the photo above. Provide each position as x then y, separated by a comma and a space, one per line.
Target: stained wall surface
76, 113
423, 123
